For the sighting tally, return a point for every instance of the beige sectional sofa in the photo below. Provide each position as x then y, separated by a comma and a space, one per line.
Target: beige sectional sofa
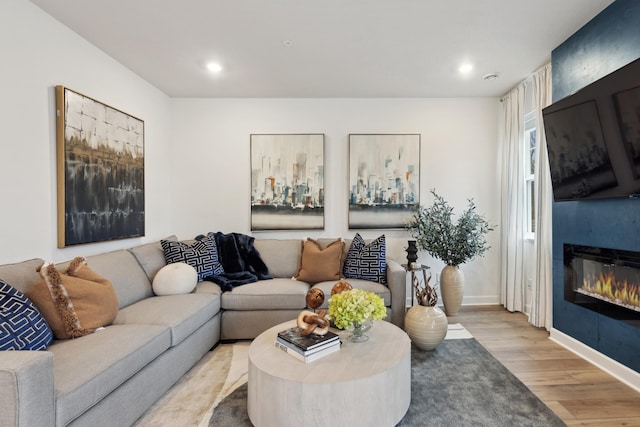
250, 309
112, 376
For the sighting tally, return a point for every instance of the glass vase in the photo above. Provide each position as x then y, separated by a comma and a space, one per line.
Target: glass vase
358, 332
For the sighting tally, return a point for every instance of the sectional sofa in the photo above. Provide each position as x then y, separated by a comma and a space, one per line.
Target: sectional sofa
112, 376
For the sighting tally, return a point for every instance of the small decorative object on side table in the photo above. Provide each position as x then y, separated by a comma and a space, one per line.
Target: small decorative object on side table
412, 253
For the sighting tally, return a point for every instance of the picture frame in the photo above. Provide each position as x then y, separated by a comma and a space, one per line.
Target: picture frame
287, 181
384, 179
100, 171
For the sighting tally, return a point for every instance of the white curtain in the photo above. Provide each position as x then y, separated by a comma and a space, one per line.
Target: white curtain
541, 293
513, 196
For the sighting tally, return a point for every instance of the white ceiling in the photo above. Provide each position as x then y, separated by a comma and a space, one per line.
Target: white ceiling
341, 48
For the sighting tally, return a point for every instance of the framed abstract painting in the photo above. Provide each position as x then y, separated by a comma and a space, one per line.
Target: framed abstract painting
100, 171
287, 181
384, 179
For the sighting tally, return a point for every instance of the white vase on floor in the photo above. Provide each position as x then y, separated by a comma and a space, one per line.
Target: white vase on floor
426, 326
452, 289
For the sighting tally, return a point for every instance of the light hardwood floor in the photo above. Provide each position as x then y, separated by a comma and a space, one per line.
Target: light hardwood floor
577, 391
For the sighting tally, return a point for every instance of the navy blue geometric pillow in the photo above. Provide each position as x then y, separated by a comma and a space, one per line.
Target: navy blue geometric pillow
201, 255
367, 262
22, 327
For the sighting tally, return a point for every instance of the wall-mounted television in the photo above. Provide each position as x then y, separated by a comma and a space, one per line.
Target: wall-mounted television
593, 138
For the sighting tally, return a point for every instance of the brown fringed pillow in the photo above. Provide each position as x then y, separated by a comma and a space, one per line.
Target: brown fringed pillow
319, 265
75, 302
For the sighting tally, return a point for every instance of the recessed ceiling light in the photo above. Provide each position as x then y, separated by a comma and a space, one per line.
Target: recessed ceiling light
490, 76
214, 67
465, 68
287, 43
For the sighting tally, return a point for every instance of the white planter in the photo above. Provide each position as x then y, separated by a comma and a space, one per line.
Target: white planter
452, 289
426, 326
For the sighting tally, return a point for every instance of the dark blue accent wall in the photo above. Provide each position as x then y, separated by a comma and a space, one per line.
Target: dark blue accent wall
608, 42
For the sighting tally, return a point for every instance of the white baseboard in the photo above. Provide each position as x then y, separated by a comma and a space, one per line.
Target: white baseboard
607, 364
480, 300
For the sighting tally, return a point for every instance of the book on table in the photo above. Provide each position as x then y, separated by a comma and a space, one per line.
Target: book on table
297, 349
306, 342
315, 354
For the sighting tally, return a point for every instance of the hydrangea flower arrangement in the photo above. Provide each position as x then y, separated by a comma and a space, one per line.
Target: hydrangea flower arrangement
355, 305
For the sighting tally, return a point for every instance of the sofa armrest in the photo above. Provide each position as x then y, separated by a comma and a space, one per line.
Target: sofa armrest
27, 395
397, 283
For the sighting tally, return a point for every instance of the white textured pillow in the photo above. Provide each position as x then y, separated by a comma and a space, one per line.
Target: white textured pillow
175, 278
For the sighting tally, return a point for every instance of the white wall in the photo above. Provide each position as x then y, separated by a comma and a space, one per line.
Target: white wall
39, 53
211, 163
197, 150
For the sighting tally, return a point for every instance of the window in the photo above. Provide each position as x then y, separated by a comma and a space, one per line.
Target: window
529, 172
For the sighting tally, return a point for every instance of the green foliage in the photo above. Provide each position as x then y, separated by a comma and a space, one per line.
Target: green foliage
355, 305
452, 242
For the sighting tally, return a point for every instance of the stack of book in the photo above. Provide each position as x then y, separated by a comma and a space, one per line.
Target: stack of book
307, 348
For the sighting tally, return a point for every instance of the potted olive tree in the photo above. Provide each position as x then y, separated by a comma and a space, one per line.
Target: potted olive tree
453, 242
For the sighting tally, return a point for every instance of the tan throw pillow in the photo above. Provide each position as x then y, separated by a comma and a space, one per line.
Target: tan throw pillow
75, 302
319, 265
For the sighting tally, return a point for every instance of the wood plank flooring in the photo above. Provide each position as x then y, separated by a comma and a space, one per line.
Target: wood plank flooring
580, 393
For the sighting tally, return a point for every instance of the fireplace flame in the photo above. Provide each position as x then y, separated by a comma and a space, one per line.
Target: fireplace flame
607, 287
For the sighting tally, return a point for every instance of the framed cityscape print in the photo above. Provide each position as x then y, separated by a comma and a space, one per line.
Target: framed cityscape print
287, 181
100, 171
384, 179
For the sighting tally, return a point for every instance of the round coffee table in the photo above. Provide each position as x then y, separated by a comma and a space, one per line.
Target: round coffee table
362, 384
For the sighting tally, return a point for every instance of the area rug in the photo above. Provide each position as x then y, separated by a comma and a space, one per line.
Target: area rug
458, 384
192, 400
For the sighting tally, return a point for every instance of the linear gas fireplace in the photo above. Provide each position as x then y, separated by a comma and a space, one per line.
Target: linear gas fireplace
603, 280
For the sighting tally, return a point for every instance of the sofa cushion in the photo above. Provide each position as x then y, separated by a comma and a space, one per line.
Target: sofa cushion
318, 264
276, 294
367, 285
123, 270
176, 278
208, 287
89, 368
366, 261
182, 314
75, 302
22, 327
282, 256
201, 254
150, 256
22, 275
